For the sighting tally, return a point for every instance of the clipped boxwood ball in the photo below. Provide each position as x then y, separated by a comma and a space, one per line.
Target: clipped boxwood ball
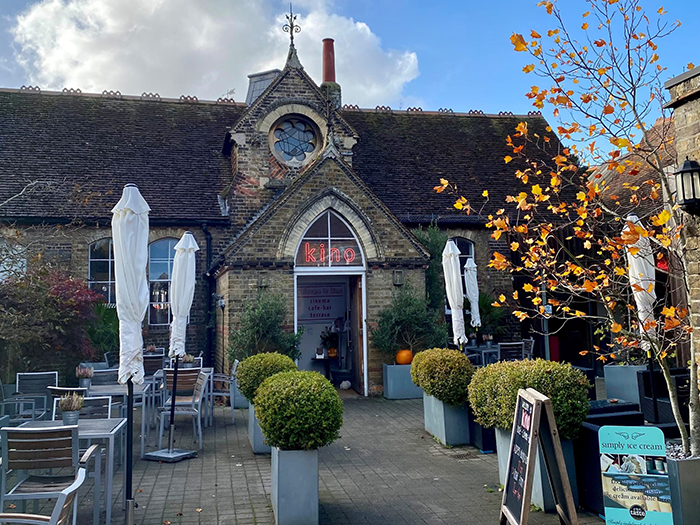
298, 411
444, 374
253, 370
493, 393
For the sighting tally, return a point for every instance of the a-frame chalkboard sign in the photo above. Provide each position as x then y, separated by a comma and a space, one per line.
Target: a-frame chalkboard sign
534, 426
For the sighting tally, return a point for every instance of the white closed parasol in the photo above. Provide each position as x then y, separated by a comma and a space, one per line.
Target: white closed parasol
642, 274
130, 241
130, 246
471, 285
182, 292
453, 287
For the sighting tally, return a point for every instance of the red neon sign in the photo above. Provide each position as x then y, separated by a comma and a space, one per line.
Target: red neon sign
310, 256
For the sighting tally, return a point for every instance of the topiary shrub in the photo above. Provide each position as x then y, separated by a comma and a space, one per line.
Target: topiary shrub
253, 370
493, 393
298, 411
444, 374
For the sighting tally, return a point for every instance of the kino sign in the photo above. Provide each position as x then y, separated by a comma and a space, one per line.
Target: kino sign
318, 253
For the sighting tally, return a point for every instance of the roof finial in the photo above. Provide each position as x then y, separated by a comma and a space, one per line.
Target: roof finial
290, 27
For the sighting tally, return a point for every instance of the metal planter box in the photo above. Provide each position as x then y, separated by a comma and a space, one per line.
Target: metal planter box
448, 423
684, 478
541, 491
482, 438
621, 382
255, 434
240, 401
398, 383
295, 486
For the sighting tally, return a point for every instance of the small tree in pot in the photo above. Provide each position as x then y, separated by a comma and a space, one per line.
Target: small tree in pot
444, 376
251, 373
299, 412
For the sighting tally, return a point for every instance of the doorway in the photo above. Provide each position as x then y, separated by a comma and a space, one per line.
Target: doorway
330, 310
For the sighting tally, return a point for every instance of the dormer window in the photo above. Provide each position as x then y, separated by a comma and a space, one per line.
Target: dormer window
294, 140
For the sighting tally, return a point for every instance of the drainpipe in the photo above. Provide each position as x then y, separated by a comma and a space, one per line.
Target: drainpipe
210, 287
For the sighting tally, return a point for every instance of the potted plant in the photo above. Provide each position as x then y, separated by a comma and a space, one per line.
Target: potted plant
150, 349
84, 375
188, 361
493, 393
444, 376
70, 406
329, 340
251, 372
299, 412
406, 327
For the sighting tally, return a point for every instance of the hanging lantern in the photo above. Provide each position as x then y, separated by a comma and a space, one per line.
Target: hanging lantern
688, 186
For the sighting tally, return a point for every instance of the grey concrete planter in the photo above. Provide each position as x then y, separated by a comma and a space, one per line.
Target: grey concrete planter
240, 401
541, 491
621, 382
448, 423
255, 434
398, 383
295, 486
684, 478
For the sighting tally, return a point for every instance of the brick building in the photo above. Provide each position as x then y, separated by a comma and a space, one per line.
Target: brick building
290, 192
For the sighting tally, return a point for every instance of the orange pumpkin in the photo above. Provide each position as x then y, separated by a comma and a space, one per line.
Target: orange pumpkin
404, 357
332, 352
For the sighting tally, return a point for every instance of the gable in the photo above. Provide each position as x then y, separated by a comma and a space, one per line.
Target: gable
272, 238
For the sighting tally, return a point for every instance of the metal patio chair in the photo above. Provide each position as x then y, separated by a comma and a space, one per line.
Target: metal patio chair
35, 385
511, 351
227, 389
529, 348
31, 451
61, 515
190, 405
97, 407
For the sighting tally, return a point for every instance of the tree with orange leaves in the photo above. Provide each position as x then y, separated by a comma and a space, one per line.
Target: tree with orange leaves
574, 231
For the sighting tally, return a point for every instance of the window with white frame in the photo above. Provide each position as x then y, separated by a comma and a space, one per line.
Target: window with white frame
160, 271
466, 251
101, 269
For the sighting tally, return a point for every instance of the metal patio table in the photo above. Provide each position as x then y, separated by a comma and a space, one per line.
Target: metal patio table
93, 429
116, 390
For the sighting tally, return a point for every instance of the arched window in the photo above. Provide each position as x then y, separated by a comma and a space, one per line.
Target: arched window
101, 269
160, 271
466, 250
329, 242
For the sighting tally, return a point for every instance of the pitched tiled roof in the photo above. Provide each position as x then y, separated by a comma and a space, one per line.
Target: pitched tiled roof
402, 156
88, 147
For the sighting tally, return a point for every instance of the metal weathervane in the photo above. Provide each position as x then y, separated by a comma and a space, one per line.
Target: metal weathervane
290, 27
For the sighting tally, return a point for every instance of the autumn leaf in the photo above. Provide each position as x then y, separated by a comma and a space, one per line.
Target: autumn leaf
589, 286
535, 34
584, 26
502, 298
607, 109
198, 510
485, 193
528, 287
671, 323
667, 311
529, 68
661, 219
518, 42
507, 158
690, 65
615, 328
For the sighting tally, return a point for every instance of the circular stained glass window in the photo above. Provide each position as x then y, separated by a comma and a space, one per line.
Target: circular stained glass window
294, 139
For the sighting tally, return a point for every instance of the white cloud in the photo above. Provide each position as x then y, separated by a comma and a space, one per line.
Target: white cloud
202, 48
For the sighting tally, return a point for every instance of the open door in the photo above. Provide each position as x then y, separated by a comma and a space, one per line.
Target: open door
356, 340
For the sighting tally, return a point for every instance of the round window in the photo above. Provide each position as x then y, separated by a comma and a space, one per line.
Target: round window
294, 140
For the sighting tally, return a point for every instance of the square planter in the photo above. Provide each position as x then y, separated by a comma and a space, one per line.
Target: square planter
541, 491
448, 423
398, 383
295, 486
255, 434
240, 401
482, 438
684, 478
621, 382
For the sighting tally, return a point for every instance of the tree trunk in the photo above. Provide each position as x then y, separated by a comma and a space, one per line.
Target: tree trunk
694, 403
675, 406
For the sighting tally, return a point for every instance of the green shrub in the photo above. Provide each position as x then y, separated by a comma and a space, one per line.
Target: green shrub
298, 411
444, 374
434, 239
253, 370
493, 393
408, 323
260, 329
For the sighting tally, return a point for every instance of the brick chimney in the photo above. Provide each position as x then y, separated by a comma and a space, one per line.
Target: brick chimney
329, 87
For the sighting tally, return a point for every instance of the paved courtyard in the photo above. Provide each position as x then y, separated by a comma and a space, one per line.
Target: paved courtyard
385, 469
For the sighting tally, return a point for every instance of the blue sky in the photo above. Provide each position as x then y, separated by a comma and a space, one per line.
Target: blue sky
464, 57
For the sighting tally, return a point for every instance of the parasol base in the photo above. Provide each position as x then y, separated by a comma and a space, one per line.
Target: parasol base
170, 456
